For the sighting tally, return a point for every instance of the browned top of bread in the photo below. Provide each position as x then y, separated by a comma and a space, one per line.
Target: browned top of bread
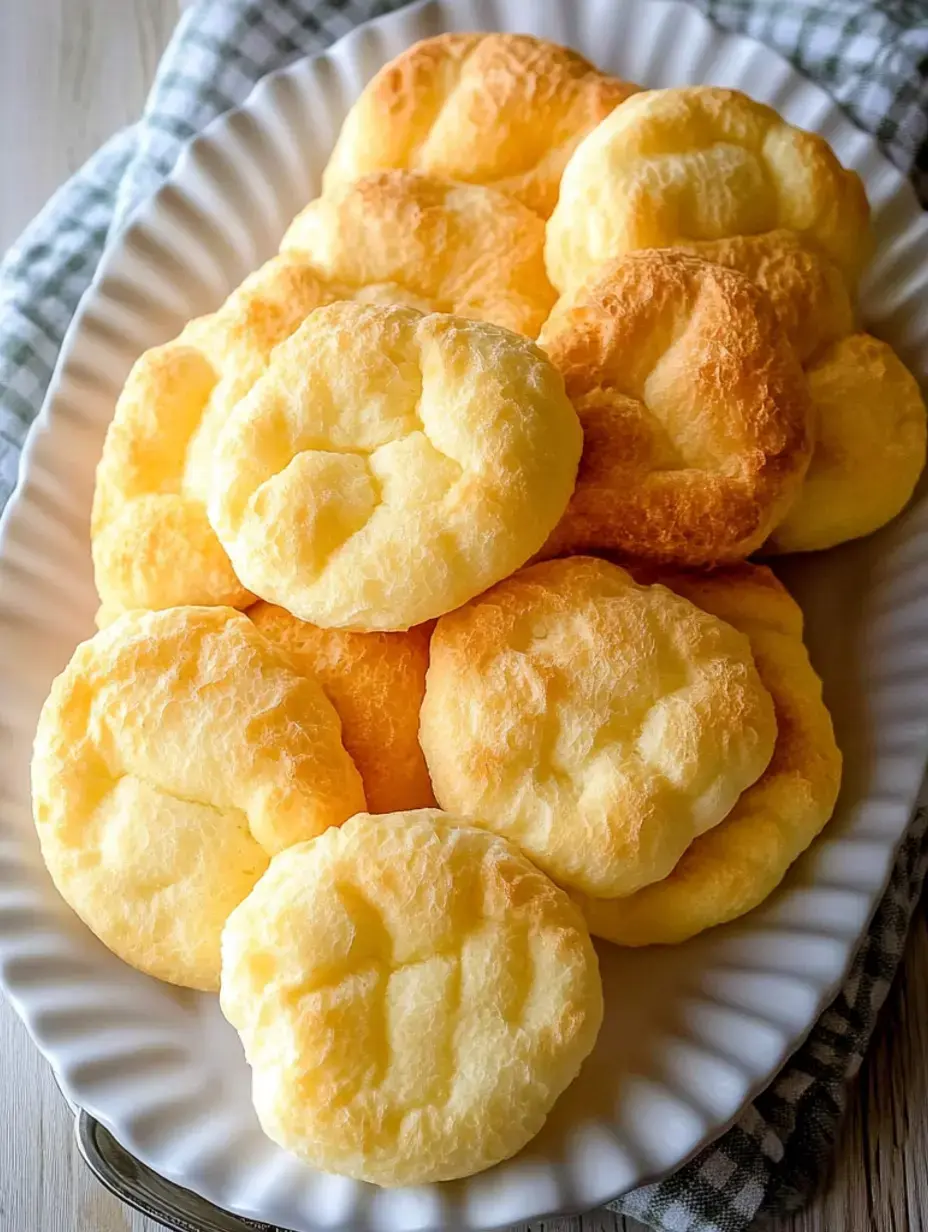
694, 408
500, 109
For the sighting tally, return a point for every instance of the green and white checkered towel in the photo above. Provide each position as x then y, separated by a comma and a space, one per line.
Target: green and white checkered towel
873, 58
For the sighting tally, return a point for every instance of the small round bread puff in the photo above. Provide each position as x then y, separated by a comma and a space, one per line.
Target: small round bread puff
505, 110
807, 289
175, 754
152, 544
695, 411
412, 995
734, 867
376, 682
395, 237
389, 466
870, 433
700, 163
599, 724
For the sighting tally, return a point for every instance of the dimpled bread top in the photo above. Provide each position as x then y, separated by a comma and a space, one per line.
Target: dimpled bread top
393, 237
389, 466
807, 290
701, 163
412, 995
599, 724
500, 109
396, 237
376, 682
733, 867
695, 411
869, 452
175, 754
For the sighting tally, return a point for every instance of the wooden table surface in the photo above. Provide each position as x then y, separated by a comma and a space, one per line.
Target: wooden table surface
71, 72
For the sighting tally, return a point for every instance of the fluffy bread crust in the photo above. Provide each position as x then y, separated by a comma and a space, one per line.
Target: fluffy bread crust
412, 995
505, 110
177, 753
376, 682
389, 466
695, 411
701, 163
735, 866
599, 724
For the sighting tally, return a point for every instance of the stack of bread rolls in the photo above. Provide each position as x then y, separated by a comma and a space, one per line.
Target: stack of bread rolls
429, 644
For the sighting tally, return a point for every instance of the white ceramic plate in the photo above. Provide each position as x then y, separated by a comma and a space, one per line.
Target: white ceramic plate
691, 1032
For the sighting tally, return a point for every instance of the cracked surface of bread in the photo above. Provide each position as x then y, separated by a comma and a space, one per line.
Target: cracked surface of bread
395, 237
412, 995
695, 411
389, 466
869, 451
735, 866
152, 544
392, 237
701, 163
505, 110
376, 682
807, 289
175, 754
599, 724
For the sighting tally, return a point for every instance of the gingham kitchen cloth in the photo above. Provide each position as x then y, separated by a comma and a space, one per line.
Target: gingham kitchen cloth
873, 58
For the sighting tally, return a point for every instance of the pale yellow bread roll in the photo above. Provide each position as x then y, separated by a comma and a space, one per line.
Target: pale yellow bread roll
695, 411
412, 994
389, 466
152, 544
807, 290
599, 724
700, 163
393, 237
733, 867
505, 110
869, 451
175, 754
376, 682
396, 237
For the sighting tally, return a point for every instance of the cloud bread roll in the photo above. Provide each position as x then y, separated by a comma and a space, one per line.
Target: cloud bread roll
392, 237
396, 237
376, 682
599, 724
176, 754
869, 418
412, 994
695, 411
390, 465
701, 163
505, 110
734, 867
152, 544
807, 290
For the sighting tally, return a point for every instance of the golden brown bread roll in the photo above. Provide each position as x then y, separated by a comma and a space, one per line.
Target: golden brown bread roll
395, 236
733, 867
376, 682
694, 407
807, 289
412, 995
700, 163
389, 466
869, 418
500, 109
599, 724
175, 754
